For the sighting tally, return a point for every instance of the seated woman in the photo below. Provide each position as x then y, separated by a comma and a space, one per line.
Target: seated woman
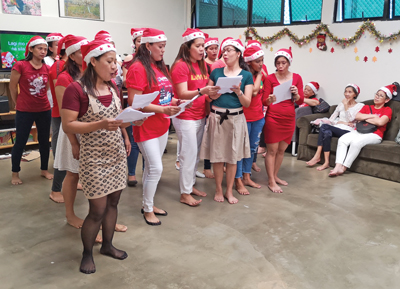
310, 94
342, 121
378, 115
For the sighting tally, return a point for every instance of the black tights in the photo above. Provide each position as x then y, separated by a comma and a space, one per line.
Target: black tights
102, 211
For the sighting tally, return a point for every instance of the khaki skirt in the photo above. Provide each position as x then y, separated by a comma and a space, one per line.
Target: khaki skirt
227, 142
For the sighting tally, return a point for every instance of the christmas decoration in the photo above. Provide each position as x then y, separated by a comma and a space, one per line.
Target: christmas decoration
332, 49
310, 50
321, 45
390, 50
365, 59
345, 42
271, 49
357, 58
355, 50
374, 59
377, 49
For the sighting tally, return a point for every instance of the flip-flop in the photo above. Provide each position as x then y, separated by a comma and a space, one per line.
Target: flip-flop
132, 183
158, 214
151, 223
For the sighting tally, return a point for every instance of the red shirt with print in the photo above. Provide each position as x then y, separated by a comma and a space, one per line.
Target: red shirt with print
32, 96
255, 110
379, 112
182, 73
55, 70
156, 125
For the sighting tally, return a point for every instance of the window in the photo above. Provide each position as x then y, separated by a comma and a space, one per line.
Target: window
242, 13
356, 10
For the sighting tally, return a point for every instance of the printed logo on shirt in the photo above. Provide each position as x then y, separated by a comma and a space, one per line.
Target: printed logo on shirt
165, 90
37, 84
198, 77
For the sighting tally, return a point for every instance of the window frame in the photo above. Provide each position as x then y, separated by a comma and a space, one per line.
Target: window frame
385, 17
302, 22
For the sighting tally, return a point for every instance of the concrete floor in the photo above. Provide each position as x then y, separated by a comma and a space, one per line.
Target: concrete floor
320, 233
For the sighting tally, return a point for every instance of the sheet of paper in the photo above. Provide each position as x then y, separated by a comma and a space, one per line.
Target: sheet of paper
226, 83
143, 100
129, 115
183, 106
282, 92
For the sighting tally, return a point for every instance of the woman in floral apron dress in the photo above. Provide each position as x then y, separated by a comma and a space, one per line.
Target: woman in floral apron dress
90, 111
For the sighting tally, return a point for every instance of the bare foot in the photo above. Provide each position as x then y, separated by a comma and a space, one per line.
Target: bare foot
79, 187
47, 175
219, 197
99, 239
231, 199
261, 150
189, 200
199, 193
264, 155
275, 188
113, 252
281, 182
15, 180
323, 167
120, 228
56, 197
313, 162
240, 187
87, 264
74, 221
255, 167
208, 174
250, 183
159, 211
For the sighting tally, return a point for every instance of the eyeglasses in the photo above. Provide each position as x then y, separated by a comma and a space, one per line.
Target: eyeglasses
382, 95
228, 50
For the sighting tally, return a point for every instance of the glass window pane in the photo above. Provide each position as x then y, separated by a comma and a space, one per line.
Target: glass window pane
302, 8
266, 11
397, 8
234, 12
207, 13
356, 8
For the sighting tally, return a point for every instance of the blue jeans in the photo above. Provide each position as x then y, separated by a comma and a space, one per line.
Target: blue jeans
133, 157
254, 129
326, 132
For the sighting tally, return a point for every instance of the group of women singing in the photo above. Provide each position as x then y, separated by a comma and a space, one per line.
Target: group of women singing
91, 147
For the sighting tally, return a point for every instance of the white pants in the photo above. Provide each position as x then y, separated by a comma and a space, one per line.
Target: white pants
356, 141
152, 151
190, 135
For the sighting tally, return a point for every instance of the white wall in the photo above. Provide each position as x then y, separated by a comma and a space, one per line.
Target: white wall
120, 16
334, 70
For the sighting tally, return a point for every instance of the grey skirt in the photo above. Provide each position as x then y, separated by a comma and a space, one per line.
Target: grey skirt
227, 142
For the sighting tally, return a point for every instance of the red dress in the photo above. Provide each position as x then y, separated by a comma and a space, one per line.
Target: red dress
280, 119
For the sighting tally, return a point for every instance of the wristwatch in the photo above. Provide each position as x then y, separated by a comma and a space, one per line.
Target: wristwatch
198, 89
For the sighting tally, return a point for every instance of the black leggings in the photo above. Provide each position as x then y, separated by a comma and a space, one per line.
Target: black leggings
23, 123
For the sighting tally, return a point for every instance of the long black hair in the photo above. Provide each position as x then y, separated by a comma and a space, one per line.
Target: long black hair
89, 79
143, 55
184, 54
243, 65
49, 52
72, 69
29, 57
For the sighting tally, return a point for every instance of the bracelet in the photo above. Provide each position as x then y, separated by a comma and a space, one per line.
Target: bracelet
198, 89
241, 93
132, 124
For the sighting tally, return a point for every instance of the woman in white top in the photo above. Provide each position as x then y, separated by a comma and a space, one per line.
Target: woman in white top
342, 121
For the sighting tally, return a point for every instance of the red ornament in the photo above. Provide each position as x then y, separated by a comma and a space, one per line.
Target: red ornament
377, 49
332, 49
290, 48
390, 50
365, 59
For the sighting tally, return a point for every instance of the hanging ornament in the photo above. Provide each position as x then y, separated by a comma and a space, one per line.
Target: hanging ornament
332, 50
377, 49
365, 59
355, 50
271, 49
357, 58
310, 50
374, 59
390, 50
240, 36
321, 42
290, 48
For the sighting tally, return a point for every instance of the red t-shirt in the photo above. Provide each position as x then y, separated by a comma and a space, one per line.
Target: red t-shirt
255, 110
305, 104
64, 79
32, 96
182, 73
217, 64
53, 76
379, 112
156, 125
76, 100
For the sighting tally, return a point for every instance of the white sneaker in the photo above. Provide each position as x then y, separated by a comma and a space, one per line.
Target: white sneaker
200, 175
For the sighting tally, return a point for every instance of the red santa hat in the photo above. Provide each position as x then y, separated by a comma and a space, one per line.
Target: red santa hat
74, 43
251, 43
211, 41
103, 35
285, 53
321, 35
136, 32
191, 34
235, 43
61, 45
53, 37
252, 53
35, 40
222, 43
151, 35
95, 48
355, 86
314, 86
390, 90
5, 55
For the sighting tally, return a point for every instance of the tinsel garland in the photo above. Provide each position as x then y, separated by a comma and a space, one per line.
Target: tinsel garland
366, 26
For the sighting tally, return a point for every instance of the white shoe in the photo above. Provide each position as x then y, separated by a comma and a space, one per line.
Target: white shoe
176, 166
200, 175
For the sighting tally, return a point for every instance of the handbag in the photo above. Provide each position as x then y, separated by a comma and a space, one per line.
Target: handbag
397, 139
366, 127
322, 107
